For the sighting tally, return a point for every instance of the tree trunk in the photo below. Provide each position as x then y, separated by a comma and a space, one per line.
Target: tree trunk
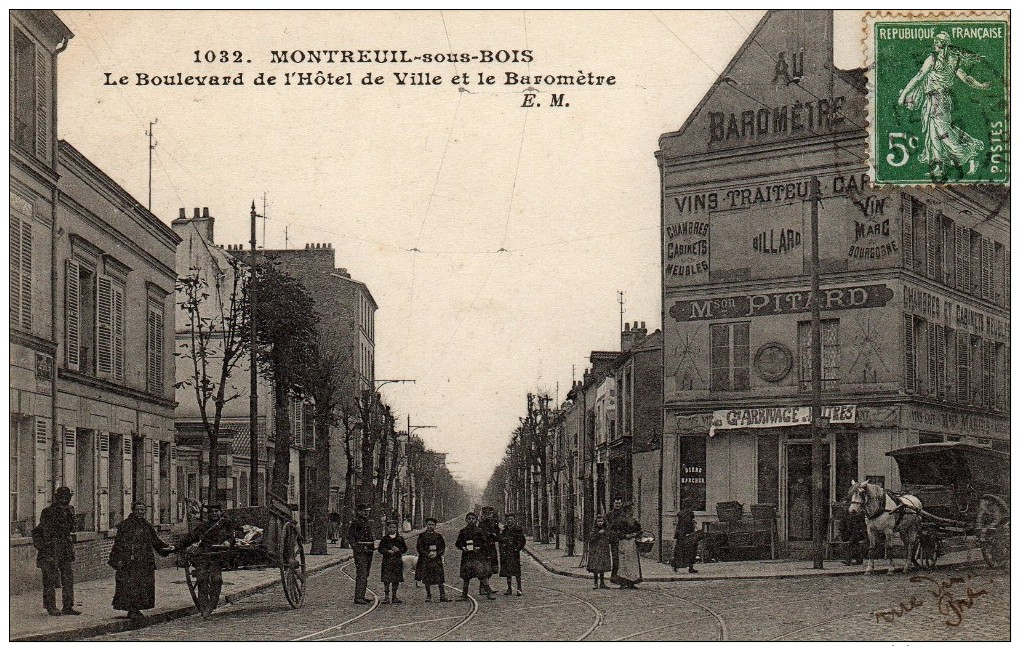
320, 496
281, 452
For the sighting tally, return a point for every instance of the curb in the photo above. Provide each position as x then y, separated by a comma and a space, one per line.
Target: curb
160, 616
699, 577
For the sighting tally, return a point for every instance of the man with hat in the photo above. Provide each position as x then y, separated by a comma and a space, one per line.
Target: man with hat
359, 537
53, 539
215, 530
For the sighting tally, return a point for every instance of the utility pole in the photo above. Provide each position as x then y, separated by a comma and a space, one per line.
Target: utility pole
253, 398
414, 507
152, 145
620, 300
817, 486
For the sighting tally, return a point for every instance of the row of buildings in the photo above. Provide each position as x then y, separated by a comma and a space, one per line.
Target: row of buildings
915, 330
101, 352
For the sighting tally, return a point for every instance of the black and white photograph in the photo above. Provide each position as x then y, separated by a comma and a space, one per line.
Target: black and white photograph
509, 325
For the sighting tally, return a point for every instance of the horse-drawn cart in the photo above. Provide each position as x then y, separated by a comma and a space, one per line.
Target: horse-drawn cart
964, 491
278, 545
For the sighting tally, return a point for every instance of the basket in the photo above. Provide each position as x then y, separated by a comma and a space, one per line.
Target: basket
729, 512
645, 542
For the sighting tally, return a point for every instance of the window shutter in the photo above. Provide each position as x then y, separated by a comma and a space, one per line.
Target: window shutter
988, 372
908, 231
43, 475
938, 359
987, 256
127, 470
155, 352
299, 423
103, 481
909, 370
72, 308
26, 275
70, 459
963, 367
104, 326
42, 104
15, 269
962, 257
951, 364
931, 236
118, 332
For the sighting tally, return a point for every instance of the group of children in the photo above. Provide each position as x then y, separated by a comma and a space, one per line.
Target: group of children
486, 549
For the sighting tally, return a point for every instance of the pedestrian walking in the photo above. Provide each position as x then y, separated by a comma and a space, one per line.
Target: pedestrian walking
511, 542
429, 570
132, 559
489, 523
854, 530
474, 558
215, 530
53, 540
685, 539
392, 547
360, 538
600, 555
334, 526
627, 530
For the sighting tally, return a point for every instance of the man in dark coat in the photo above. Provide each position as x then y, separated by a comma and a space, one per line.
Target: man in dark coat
613, 516
362, 542
215, 530
134, 562
511, 542
854, 530
474, 559
685, 538
54, 541
490, 525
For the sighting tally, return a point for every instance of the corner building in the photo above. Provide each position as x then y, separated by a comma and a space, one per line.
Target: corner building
914, 289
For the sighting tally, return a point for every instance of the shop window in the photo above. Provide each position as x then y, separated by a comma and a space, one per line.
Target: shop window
691, 455
730, 357
768, 470
830, 354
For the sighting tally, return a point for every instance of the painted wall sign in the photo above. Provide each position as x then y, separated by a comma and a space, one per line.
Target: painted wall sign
793, 302
740, 418
776, 241
939, 309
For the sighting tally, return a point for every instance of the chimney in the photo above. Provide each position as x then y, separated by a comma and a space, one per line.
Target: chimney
202, 222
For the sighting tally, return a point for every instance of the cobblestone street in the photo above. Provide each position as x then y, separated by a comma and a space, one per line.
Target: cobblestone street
850, 608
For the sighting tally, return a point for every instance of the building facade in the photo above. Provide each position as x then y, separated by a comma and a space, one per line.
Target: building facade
914, 290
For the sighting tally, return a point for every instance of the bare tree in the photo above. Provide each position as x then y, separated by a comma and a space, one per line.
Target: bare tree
217, 339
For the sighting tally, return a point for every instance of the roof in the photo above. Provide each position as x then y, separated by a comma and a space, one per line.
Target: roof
944, 447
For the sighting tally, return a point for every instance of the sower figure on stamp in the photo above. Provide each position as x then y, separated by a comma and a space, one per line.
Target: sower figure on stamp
392, 547
132, 558
511, 542
359, 537
931, 89
53, 539
216, 529
474, 559
431, 547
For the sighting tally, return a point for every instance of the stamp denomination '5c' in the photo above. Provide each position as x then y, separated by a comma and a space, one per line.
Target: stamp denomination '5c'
938, 98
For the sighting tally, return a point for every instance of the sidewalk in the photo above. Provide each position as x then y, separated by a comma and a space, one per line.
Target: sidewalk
29, 621
554, 561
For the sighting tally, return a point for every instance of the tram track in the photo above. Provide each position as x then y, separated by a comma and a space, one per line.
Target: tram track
346, 622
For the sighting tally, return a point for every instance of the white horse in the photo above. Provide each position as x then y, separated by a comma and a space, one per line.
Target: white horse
886, 513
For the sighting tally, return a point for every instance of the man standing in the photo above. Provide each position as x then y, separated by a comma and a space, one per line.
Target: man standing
612, 517
215, 530
53, 539
490, 525
132, 558
474, 558
362, 542
511, 542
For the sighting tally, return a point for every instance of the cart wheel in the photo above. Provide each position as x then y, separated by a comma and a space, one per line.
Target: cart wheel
992, 526
292, 566
191, 578
928, 550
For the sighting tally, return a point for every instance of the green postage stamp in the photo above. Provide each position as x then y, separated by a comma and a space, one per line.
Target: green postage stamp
938, 97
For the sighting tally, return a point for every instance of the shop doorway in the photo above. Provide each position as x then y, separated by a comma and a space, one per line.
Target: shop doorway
799, 510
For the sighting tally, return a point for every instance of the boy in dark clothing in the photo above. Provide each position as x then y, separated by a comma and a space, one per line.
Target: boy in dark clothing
431, 547
511, 542
392, 547
474, 560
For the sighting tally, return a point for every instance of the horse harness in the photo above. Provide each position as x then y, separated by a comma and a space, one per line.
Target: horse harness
899, 511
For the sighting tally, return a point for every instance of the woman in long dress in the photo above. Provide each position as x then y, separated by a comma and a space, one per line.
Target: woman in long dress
686, 537
132, 558
931, 90
627, 530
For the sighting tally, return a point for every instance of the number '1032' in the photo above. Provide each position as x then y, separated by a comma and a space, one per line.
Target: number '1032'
221, 56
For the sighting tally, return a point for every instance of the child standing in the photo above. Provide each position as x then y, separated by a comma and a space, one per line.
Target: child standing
392, 547
600, 556
511, 542
431, 548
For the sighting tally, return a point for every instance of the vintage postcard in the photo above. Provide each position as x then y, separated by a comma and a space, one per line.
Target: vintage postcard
516, 325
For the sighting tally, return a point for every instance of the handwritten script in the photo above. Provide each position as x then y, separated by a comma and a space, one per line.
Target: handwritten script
950, 603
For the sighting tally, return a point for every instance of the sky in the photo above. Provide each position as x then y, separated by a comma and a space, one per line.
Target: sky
494, 237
